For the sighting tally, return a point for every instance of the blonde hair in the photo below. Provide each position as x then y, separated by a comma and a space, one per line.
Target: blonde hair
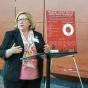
32, 23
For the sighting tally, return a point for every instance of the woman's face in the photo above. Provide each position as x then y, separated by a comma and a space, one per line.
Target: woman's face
23, 22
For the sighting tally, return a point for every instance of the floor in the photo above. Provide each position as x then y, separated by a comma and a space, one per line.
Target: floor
56, 83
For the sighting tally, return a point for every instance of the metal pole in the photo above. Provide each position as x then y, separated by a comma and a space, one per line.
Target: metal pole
44, 19
78, 72
48, 71
15, 8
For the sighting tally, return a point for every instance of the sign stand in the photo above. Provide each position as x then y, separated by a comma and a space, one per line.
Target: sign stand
48, 56
78, 71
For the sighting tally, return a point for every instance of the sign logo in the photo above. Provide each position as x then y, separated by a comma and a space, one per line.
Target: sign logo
71, 29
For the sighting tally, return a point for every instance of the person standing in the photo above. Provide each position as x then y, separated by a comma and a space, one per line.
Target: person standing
19, 43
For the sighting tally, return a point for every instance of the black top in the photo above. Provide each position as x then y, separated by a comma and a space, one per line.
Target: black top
12, 66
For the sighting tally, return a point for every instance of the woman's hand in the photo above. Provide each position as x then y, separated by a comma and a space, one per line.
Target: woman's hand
14, 50
46, 48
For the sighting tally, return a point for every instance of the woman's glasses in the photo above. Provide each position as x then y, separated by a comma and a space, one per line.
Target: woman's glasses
22, 19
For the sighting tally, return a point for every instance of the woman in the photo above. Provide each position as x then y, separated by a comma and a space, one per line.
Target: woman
19, 43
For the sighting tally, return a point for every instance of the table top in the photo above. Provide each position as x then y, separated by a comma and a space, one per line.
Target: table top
52, 55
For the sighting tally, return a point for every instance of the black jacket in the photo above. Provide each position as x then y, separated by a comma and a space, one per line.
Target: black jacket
12, 66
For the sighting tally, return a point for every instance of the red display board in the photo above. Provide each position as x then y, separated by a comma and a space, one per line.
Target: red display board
61, 30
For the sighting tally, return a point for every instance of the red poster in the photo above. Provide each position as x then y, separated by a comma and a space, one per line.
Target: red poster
61, 30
